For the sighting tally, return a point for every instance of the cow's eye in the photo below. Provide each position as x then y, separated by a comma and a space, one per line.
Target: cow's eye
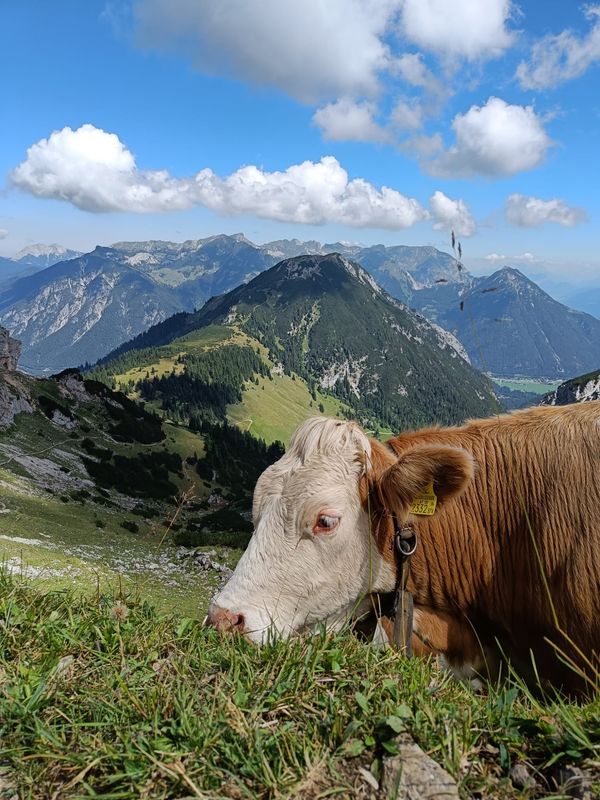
326, 523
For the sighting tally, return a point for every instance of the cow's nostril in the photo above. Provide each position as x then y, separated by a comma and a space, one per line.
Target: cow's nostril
237, 622
225, 620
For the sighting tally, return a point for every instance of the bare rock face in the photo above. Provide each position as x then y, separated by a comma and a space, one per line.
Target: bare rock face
10, 350
14, 399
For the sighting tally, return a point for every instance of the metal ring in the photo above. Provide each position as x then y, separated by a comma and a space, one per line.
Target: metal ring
406, 547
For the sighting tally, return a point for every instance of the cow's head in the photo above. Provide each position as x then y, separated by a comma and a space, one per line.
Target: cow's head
322, 540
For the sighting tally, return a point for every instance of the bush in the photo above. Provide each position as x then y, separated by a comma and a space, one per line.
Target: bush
212, 539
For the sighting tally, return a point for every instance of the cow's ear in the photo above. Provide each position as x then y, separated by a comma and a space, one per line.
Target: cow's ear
450, 469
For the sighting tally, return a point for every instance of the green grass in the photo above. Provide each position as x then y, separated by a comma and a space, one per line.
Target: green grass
527, 385
270, 411
58, 544
103, 697
274, 409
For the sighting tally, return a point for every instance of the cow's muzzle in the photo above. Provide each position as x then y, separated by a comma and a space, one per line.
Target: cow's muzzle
225, 620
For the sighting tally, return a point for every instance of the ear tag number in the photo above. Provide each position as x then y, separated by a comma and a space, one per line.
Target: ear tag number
424, 504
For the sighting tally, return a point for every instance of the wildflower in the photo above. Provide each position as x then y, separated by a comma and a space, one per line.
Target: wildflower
119, 611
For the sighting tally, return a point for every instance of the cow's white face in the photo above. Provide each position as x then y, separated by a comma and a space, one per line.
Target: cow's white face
311, 557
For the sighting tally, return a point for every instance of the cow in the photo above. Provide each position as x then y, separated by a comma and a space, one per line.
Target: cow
506, 567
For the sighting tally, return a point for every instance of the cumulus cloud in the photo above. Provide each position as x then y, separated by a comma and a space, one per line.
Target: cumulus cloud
469, 29
93, 170
344, 55
530, 212
451, 214
410, 67
309, 49
495, 257
347, 121
3, 233
494, 139
558, 58
407, 115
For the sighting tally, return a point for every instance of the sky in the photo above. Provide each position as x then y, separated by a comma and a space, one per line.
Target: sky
369, 121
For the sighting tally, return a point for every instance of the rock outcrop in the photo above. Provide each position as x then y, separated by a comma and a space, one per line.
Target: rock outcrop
10, 350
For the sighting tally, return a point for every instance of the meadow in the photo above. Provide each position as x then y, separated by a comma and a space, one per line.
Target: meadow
101, 695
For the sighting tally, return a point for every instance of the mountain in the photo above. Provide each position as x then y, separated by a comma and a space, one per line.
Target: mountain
44, 255
78, 310
10, 270
289, 248
198, 268
575, 390
407, 273
75, 311
97, 490
32, 259
169, 277
10, 350
511, 327
326, 320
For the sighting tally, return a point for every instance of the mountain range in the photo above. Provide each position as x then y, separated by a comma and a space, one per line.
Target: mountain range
32, 259
324, 319
79, 310
511, 327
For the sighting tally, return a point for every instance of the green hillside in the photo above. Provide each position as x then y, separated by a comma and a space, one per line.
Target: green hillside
324, 319
94, 490
270, 404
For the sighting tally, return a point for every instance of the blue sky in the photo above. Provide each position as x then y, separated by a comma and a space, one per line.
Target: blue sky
185, 118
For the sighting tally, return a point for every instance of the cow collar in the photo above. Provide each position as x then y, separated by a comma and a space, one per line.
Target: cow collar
405, 544
397, 605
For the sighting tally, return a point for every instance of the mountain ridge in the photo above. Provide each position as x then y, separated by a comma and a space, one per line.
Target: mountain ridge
182, 276
511, 327
326, 319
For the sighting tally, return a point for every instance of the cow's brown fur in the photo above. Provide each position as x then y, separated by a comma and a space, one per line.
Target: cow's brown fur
516, 556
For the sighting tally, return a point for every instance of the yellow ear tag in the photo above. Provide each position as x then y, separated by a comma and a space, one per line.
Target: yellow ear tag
424, 504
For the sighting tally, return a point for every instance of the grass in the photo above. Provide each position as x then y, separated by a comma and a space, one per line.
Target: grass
101, 696
202, 339
274, 409
270, 411
527, 385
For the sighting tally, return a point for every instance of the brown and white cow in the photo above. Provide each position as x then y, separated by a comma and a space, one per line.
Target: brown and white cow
510, 560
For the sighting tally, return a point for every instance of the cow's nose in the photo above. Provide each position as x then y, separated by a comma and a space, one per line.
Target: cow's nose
225, 620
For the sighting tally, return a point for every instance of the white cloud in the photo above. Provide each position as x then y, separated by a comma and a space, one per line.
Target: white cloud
310, 49
3, 233
347, 121
530, 212
561, 57
470, 29
93, 170
451, 214
407, 115
410, 68
494, 139
526, 257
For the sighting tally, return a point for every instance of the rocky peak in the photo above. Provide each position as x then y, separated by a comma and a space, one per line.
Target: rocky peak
10, 350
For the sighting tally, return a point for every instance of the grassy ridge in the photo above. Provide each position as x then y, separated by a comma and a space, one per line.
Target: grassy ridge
101, 696
271, 410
